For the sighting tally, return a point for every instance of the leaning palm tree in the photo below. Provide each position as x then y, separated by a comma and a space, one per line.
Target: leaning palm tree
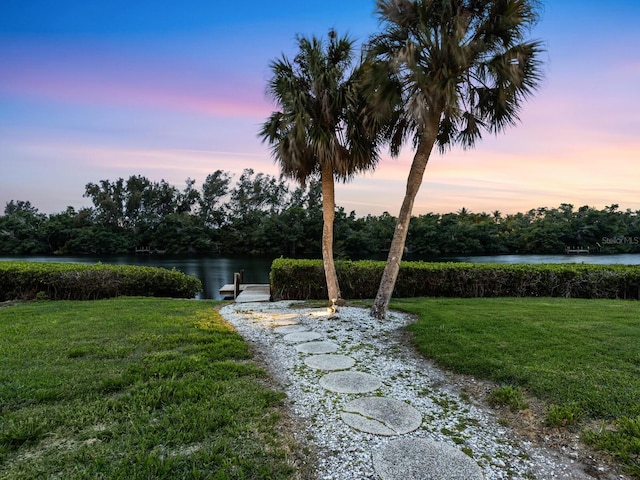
462, 67
320, 129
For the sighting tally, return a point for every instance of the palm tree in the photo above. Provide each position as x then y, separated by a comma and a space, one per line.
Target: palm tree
463, 67
320, 127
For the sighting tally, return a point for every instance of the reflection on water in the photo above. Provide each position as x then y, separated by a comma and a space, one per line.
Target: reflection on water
214, 272
621, 259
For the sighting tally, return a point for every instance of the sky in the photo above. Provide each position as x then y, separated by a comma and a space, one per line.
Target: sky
171, 90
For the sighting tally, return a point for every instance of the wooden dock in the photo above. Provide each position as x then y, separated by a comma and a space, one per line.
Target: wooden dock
574, 250
248, 292
245, 292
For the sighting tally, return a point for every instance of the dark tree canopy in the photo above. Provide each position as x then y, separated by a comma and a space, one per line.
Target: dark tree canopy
291, 226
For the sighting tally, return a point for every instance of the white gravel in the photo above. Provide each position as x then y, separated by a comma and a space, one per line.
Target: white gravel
378, 349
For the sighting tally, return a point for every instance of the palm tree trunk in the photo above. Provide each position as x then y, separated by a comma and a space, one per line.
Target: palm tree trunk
391, 269
328, 214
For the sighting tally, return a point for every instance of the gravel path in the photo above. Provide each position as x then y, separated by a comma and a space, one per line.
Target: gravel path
378, 349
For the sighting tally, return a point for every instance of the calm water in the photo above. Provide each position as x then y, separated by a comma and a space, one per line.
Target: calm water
213, 272
621, 259
217, 271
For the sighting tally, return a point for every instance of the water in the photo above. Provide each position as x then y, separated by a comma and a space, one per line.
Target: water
214, 272
619, 259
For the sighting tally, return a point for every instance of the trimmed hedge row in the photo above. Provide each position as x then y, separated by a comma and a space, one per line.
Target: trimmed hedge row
69, 281
304, 279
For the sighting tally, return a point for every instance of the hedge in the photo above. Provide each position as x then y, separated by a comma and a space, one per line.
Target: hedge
69, 281
304, 279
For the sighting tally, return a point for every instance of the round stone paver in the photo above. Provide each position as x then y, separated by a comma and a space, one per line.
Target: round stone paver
317, 347
350, 382
330, 362
280, 319
294, 328
422, 459
299, 337
381, 416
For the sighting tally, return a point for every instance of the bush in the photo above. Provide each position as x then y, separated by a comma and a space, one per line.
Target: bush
68, 281
304, 279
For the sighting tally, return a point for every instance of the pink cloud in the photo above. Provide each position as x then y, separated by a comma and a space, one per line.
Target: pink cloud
104, 79
556, 155
111, 93
577, 142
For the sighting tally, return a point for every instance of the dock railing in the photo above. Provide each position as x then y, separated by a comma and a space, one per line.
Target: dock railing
238, 279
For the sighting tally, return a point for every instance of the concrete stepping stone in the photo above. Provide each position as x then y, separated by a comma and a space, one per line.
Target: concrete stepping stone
291, 329
381, 416
350, 382
422, 459
285, 316
299, 337
330, 362
317, 347
280, 319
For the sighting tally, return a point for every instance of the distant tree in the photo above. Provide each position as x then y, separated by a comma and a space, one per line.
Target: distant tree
188, 198
462, 67
108, 199
214, 190
253, 202
136, 203
165, 198
58, 229
257, 193
15, 206
424, 236
319, 129
21, 229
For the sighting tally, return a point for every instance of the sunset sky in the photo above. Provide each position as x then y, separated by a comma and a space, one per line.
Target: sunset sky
93, 90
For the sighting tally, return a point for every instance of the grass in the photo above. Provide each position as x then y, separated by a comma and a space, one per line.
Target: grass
134, 388
580, 356
137, 388
509, 396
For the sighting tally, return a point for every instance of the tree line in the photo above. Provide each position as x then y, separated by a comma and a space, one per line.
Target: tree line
266, 215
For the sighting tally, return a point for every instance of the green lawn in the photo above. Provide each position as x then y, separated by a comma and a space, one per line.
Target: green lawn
155, 388
134, 388
580, 356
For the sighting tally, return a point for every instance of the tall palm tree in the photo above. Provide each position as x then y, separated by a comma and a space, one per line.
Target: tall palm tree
321, 126
462, 67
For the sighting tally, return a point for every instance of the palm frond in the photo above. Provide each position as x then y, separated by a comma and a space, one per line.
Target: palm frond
320, 104
466, 61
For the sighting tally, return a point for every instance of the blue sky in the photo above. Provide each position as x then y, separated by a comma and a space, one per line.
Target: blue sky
176, 90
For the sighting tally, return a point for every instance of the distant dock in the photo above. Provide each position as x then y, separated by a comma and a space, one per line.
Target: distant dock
150, 250
576, 250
